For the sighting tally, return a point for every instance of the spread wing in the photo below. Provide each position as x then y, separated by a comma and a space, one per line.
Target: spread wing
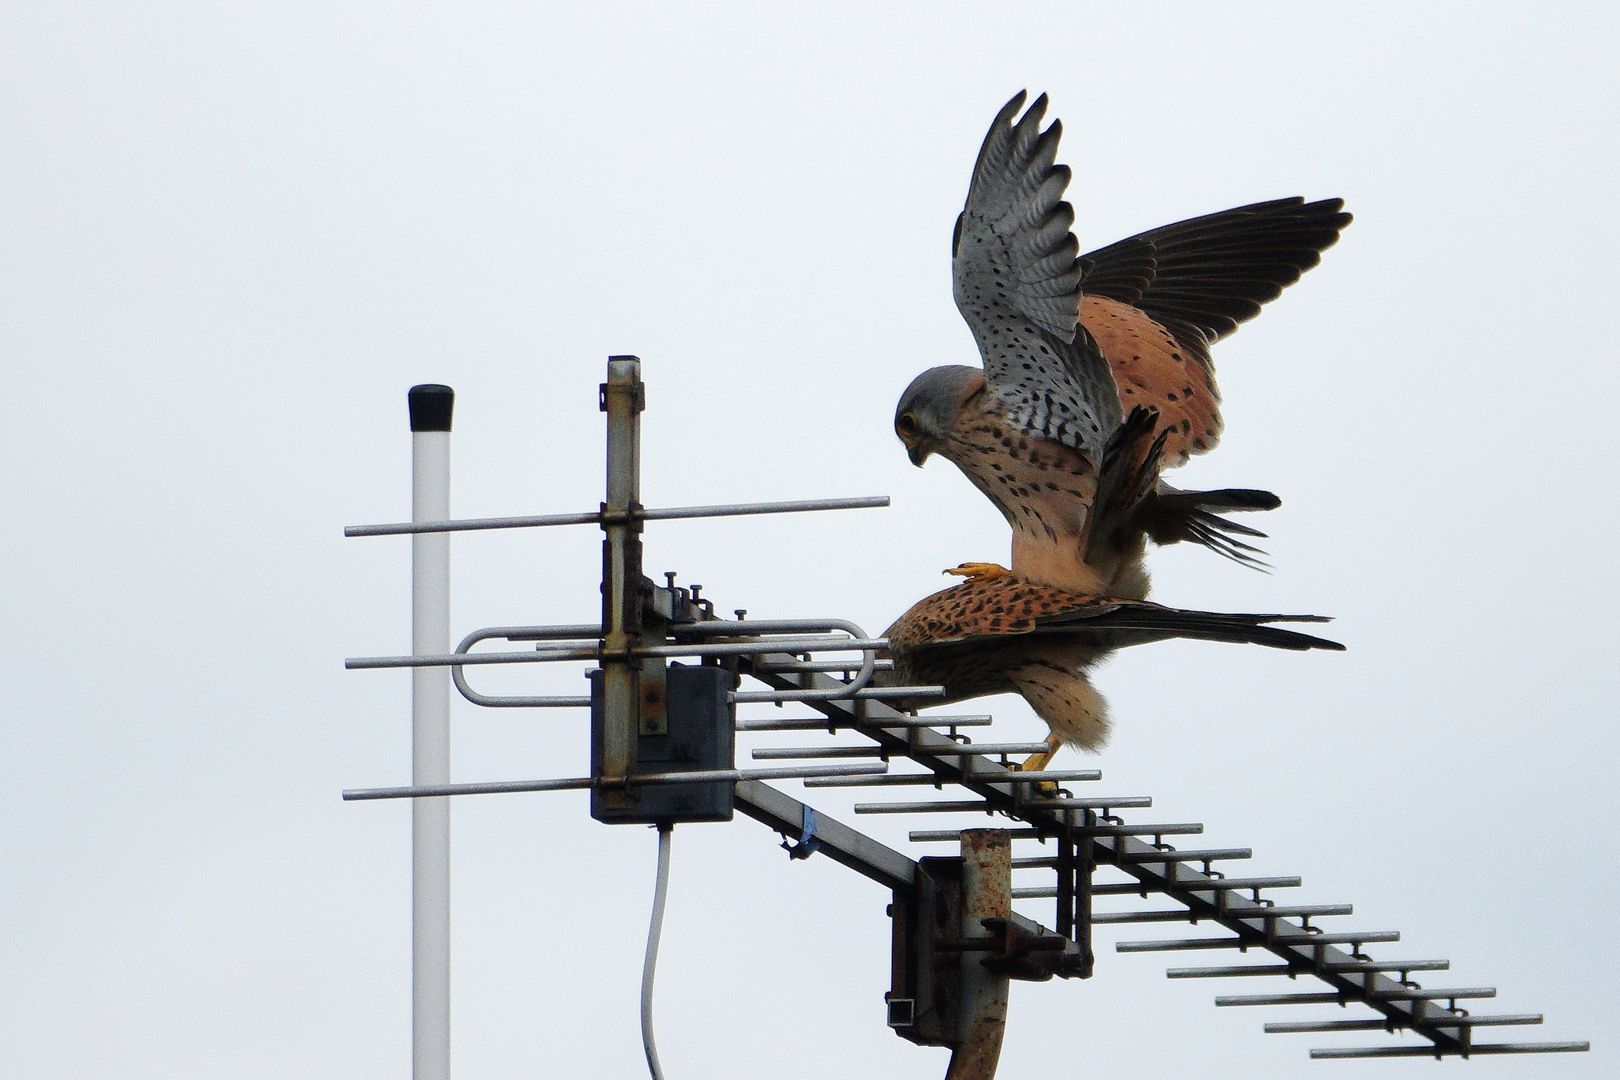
1017, 283
1203, 277
1156, 302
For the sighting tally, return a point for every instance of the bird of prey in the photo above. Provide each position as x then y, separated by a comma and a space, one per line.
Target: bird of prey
997, 632
1096, 369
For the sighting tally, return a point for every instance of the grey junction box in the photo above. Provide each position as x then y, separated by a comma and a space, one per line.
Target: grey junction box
698, 732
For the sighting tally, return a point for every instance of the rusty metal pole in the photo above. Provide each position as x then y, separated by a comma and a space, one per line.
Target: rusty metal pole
622, 400
986, 894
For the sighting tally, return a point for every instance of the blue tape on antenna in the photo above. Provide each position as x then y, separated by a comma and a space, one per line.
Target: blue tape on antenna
808, 843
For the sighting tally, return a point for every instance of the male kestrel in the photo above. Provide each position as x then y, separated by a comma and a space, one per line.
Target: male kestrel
1069, 343
999, 633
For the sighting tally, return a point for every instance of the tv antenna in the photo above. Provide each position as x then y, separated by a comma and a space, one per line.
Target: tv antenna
668, 679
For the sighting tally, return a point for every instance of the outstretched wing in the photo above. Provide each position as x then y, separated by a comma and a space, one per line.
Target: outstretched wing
1017, 283
1204, 276
1156, 302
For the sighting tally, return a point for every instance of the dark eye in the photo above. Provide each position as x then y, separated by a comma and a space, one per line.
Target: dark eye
906, 424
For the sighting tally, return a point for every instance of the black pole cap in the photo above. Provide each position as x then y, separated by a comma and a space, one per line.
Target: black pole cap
431, 406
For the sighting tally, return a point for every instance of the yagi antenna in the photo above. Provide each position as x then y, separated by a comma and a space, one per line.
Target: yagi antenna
666, 683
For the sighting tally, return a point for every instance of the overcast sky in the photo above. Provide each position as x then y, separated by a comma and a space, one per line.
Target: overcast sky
234, 234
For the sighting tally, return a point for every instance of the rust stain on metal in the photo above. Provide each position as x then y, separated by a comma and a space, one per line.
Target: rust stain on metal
653, 712
986, 899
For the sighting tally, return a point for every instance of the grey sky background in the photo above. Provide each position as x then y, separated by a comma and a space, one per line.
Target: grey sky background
235, 234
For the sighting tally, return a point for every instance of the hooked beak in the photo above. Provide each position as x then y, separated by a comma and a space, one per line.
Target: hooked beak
918, 453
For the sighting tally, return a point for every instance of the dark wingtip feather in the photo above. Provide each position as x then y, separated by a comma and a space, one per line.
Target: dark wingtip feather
1213, 273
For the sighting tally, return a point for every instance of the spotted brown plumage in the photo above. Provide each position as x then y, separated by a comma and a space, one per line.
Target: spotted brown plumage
1072, 346
998, 632
1151, 369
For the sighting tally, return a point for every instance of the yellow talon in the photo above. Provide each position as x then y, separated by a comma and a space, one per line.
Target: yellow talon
975, 571
1038, 762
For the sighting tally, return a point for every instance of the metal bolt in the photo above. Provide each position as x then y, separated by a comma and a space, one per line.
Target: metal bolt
741, 613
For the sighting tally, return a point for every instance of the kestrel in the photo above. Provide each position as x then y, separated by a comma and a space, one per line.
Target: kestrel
999, 633
1070, 343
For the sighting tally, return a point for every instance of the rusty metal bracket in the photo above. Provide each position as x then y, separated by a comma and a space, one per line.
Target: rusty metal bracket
1018, 952
986, 901
956, 944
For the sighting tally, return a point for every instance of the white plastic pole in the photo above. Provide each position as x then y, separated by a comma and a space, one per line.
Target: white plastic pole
430, 407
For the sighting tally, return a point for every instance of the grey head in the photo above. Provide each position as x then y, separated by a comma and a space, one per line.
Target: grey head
929, 407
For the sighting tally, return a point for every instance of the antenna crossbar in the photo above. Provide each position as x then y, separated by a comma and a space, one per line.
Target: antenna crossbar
598, 517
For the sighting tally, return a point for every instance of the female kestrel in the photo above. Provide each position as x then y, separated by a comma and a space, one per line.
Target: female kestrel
999, 633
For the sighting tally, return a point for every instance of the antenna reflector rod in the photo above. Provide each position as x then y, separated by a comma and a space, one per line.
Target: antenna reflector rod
1290, 911
971, 749
1235, 971
1214, 884
1366, 937
936, 779
594, 517
823, 723
1387, 965
1097, 803
1499, 1020
1420, 994
946, 806
1474, 1050
1186, 855
580, 783
1302, 1027
1178, 944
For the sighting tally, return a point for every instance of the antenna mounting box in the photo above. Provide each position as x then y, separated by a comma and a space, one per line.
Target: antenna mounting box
687, 723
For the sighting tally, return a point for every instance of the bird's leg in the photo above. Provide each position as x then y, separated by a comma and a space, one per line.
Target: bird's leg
974, 571
1037, 762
